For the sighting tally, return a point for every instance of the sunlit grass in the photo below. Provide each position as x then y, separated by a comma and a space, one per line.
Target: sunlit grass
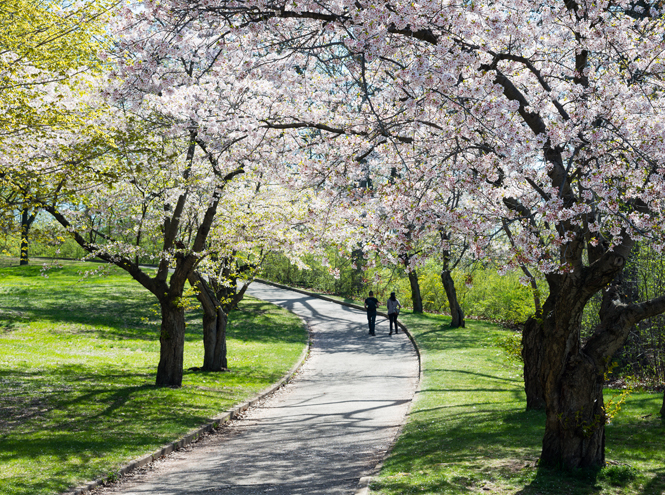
77, 367
468, 431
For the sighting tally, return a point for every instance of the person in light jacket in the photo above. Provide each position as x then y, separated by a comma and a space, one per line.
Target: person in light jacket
393, 310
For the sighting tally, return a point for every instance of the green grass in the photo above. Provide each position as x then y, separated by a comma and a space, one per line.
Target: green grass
468, 431
77, 366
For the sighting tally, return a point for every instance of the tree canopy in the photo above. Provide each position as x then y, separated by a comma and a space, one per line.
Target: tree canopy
535, 125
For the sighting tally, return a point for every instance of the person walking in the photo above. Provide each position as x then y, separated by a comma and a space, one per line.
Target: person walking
393, 306
371, 303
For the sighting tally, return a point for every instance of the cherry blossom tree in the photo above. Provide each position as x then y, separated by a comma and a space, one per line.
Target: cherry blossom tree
558, 107
178, 129
256, 219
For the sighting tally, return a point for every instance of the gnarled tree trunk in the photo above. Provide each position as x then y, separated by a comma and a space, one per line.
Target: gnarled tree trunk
572, 376
571, 380
456, 312
415, 292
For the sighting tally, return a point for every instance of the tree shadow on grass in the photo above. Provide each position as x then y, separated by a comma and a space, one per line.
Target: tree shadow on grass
114, 318
466, 438
594, 481
656, 485
75, 396
71, 390
79, 458
555, 481
255, 321
96, 408
398, 484
516, 381
446, 340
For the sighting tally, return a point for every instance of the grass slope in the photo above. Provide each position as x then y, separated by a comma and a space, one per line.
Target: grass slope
77, 366
468, 431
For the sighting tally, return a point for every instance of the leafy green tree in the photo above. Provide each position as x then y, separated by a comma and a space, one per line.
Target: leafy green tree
47, 49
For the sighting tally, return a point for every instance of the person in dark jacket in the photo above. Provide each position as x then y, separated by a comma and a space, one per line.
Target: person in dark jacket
393, 306
371, 303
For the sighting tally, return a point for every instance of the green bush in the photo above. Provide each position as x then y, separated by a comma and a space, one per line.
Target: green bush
433, 295
489, 295
511, 343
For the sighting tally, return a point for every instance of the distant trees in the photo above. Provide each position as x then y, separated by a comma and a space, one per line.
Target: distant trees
47, 57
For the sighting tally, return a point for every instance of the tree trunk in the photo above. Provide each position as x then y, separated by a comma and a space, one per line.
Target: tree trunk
172, 344
214, 340
532, 336
415, 292
455, 309
209, 338
575, 424
357, 282
573, 376
662, 409
24, 259
214, 325
219, 362
26, 223
572, 382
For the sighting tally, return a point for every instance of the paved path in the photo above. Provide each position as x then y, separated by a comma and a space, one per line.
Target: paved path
318, 435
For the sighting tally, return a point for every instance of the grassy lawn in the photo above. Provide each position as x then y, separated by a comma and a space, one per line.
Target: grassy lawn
468, 431
78, 358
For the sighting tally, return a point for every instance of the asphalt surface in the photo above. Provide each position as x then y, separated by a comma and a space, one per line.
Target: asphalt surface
319, 434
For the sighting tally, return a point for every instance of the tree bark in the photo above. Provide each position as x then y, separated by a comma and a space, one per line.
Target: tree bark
26, 222
456, 312
575, 424
219, 362
209, 338
572, 376
357, 282
571, 382
214, 341
214, 325
662, 409
532, 336
415, 292
172, 344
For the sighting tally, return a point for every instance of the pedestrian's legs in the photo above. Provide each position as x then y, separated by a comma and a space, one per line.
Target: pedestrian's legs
371, 320
392, 317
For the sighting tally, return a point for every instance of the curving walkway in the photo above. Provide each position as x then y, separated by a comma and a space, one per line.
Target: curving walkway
322, 432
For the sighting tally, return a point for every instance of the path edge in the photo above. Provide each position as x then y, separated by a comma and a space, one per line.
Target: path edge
364, 482
212, 424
